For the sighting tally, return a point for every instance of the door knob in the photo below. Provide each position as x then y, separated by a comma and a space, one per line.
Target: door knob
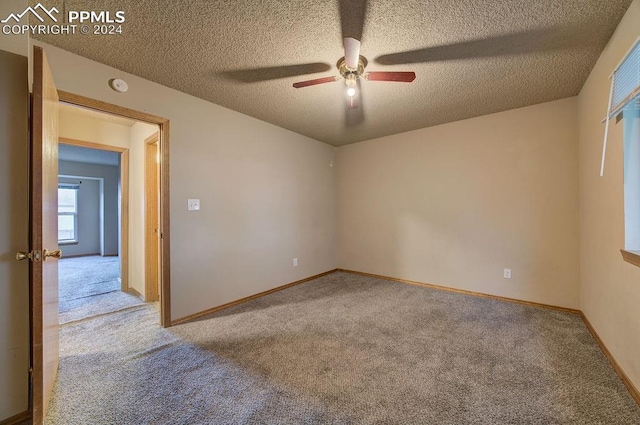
54, 254
33, 256
23, 255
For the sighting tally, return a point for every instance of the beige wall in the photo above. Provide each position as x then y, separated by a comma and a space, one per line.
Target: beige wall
80, 126
610, 287
266, 193
14, 280
455, 204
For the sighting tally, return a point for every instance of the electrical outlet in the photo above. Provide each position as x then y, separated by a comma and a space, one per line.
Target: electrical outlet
295, 262
507, 273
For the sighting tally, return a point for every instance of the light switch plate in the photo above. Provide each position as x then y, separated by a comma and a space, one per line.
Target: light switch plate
193, 204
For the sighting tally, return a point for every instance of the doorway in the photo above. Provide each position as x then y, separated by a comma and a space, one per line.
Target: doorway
91, 233
110, 213
99, 173
158, 219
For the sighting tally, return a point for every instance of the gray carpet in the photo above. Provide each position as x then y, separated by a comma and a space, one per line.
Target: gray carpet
340, 349
89, 286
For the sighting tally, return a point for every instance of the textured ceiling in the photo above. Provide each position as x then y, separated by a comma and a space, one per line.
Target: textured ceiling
471, 57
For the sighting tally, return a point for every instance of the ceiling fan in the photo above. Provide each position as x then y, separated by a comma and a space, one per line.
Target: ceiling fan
351, 68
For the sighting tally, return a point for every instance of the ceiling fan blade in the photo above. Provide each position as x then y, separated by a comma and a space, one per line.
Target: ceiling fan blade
352, 15
315, 82
524, 42
273, 73
400, 77
351, 52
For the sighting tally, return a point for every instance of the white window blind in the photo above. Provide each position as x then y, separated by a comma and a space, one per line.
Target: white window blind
625, 88
68, 186
626, 80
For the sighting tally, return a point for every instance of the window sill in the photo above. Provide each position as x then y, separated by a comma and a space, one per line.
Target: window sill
632, 257
68, 243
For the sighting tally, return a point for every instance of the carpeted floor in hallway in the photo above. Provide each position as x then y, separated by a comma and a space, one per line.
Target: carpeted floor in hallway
340, 349
89, 286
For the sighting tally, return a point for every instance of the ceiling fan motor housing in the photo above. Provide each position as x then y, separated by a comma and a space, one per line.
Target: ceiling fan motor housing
346, 72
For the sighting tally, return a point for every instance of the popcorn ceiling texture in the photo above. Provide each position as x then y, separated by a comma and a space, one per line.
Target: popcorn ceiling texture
471, 57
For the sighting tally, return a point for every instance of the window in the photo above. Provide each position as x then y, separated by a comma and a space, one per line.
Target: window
631, 134
624, 103
625, 90
67, 213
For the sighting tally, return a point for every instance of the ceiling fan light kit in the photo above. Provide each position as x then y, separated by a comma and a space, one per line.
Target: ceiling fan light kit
351, 68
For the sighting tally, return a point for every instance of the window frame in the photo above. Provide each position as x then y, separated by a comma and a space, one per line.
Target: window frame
625, 89
76, 189
631, 252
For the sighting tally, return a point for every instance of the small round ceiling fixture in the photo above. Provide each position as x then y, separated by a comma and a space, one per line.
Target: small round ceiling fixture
119, 85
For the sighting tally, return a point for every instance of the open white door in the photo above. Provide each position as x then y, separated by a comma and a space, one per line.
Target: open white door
44, 235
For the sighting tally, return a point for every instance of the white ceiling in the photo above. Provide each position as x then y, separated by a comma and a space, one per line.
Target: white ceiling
471, 57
